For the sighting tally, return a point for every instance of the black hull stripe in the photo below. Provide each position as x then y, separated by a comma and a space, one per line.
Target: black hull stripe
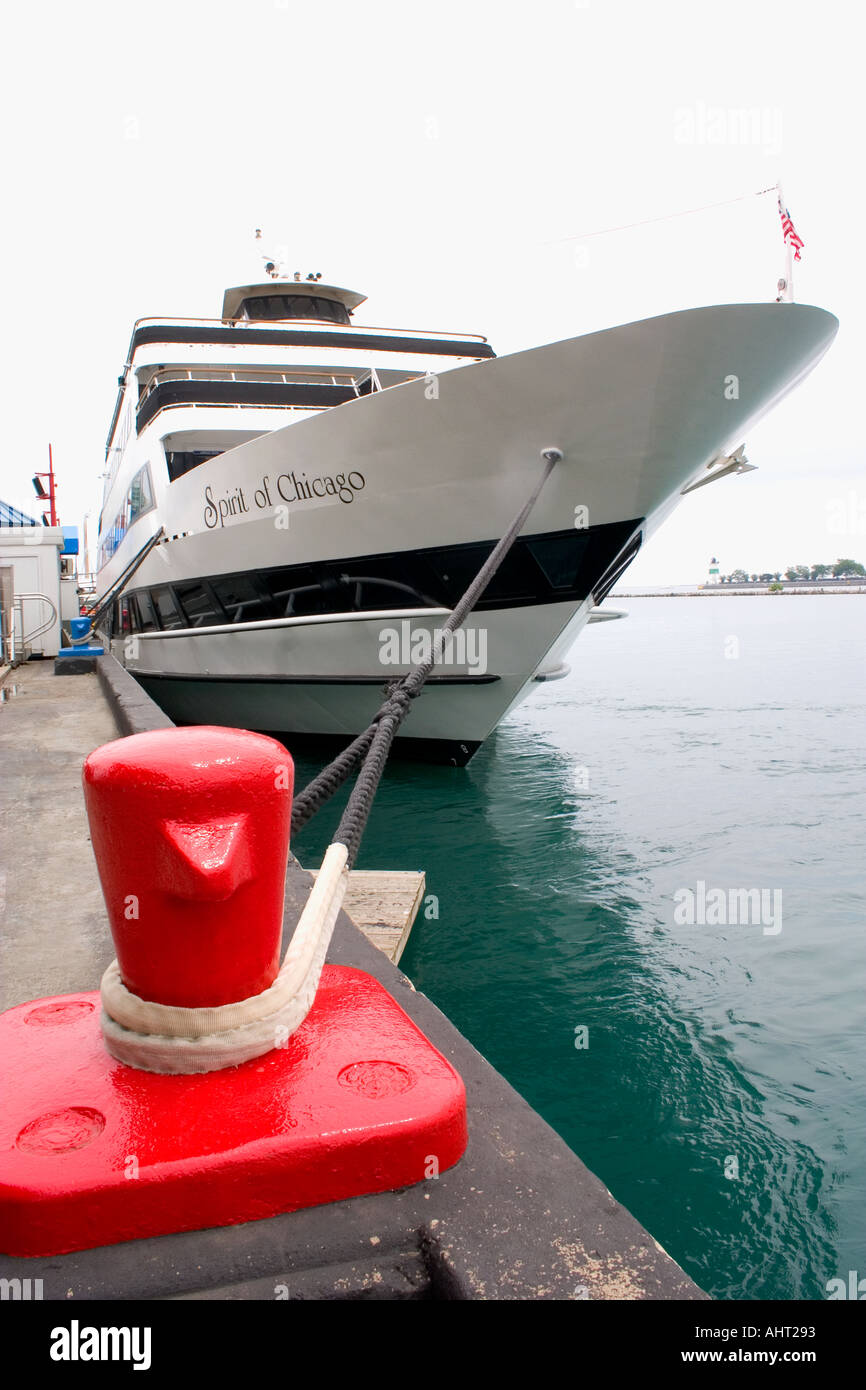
437, 347
382, 680
448, 752
551, 567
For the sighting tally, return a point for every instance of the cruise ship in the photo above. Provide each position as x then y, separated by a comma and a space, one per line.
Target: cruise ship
323, 493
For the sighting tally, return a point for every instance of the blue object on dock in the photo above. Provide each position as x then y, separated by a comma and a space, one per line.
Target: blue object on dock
78, 628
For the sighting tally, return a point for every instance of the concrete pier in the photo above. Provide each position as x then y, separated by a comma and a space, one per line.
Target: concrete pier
519, 1217
52, 932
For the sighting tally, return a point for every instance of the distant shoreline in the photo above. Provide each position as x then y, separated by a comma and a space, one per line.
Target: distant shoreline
726, 591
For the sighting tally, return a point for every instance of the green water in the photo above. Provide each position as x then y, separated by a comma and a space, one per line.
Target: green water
721, 1094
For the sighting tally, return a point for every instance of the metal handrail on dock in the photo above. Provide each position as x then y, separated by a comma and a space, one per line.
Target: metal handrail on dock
9, 639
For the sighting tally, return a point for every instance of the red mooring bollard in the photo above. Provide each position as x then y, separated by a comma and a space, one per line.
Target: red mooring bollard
191, 837
190, 828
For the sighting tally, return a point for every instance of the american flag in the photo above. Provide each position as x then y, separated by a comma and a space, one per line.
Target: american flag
789, 232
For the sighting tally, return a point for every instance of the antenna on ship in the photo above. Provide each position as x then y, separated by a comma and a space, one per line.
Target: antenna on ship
273, 263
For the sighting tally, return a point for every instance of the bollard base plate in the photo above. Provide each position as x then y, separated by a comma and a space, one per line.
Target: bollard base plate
77, 665
93, 1152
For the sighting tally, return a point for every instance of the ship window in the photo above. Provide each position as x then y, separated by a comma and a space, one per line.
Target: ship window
198, 605
143, 617
455, 569
166, 609
301, 591
140, 499
616, 570
182, 461
559, 557
121, 622
517, 578
389, 376
240, 598
386, 581
295, 306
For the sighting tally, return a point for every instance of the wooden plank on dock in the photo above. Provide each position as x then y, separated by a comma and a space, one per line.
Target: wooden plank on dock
384, 904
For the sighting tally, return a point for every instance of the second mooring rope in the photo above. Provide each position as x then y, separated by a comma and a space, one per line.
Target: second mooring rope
370, 749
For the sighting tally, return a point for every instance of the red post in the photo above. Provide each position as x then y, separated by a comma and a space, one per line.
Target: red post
53, 518
51, 495
190, 829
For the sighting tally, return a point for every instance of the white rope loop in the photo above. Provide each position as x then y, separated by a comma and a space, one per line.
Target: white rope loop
169, 1038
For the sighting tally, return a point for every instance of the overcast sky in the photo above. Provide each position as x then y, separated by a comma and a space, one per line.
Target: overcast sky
447, 160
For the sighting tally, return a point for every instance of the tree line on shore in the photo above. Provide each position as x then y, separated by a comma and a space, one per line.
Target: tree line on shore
843, 569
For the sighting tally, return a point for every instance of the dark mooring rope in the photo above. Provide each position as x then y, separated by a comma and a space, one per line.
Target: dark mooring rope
371, 748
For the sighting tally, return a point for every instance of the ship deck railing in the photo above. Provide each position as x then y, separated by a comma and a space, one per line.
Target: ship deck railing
159, 321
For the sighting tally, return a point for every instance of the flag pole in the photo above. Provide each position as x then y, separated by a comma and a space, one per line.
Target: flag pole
788, 292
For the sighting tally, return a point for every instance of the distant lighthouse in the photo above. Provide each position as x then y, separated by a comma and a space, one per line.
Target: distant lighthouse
714, 571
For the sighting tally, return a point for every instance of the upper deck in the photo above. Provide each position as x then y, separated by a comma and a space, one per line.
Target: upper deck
266, 335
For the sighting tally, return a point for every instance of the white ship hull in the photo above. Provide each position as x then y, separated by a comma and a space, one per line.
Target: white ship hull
639, 412
325, 679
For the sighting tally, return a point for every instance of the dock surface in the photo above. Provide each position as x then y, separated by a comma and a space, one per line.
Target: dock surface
52, 916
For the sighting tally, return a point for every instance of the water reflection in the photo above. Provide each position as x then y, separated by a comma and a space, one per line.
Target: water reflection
533, 929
